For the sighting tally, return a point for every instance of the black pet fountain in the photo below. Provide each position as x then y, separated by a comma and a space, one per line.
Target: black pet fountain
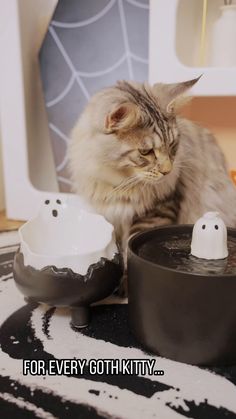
67, 257
182, 291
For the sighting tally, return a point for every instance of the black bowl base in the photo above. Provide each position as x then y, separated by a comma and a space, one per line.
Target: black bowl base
61, 287
80, 317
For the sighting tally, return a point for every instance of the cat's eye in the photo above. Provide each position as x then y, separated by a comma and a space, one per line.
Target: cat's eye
47, 201
204, 226
145, 152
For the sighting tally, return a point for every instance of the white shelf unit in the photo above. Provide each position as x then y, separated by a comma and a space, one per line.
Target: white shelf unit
28, 164
174, 44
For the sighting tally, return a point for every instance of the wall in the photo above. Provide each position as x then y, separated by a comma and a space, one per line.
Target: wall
219, 115
90, 44
1, 180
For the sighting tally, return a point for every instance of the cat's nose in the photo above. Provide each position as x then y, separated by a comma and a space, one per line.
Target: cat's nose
165, 167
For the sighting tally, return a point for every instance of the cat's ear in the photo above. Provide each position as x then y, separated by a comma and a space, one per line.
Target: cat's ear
171, 96
122, 117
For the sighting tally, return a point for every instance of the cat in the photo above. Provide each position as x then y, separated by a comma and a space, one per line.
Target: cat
141, 165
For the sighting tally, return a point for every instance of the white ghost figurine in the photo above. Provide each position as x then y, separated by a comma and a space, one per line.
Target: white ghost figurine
209, 238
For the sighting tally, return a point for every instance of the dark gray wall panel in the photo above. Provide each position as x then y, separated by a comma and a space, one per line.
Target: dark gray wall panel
90, 44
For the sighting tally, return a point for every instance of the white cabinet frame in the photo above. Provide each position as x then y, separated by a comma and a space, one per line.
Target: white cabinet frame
165, 42
29, 169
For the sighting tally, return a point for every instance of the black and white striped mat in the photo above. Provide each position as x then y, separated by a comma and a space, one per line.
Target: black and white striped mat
30, 331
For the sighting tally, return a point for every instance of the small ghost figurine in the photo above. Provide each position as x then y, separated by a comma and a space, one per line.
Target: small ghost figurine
209, 238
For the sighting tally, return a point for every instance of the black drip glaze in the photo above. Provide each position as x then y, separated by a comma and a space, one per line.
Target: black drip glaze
63, 287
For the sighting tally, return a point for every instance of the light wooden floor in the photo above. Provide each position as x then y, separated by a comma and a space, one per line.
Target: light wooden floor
6, 224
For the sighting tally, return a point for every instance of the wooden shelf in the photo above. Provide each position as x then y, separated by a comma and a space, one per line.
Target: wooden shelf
6, 224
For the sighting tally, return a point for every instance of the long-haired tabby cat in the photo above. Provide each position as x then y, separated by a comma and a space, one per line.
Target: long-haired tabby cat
141, 165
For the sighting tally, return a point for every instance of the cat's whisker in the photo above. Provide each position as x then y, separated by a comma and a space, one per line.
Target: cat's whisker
124, 186
130, 185
125, 183
182, 166
121, 185
183, 163
145, 183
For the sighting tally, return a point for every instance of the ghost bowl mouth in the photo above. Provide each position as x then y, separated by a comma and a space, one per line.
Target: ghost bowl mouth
66, 254
40, 251
181, 315
71, 252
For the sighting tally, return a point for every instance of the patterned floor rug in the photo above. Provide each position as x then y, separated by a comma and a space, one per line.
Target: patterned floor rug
42, 333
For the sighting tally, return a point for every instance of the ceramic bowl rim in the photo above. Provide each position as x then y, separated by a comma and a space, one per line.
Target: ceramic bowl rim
65, 255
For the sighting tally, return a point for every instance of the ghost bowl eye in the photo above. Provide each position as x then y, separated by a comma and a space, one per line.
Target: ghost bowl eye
181, 307
70, 261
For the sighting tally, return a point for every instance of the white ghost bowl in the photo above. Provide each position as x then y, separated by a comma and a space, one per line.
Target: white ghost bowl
67, 257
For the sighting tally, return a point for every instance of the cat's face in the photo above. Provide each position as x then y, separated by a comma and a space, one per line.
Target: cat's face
146, 151
144, 135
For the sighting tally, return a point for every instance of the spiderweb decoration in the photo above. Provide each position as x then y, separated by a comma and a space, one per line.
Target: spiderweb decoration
89, 45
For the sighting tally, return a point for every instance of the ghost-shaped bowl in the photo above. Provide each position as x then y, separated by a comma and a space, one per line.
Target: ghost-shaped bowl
182, 307
67, 257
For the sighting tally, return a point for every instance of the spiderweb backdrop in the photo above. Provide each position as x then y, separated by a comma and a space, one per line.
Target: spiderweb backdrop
90, 44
